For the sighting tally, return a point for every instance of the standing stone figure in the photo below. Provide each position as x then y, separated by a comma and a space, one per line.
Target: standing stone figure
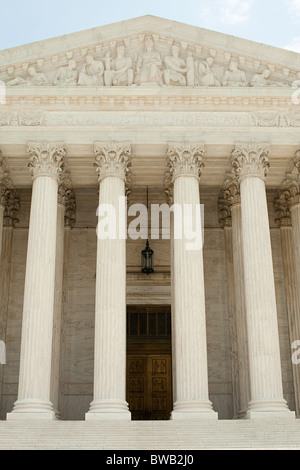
175, 69
148, 66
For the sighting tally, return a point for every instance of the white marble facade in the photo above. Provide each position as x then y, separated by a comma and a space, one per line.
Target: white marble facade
197, 117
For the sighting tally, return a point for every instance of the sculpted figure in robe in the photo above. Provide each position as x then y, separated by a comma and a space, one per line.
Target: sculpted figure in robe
120, 71
33, 78
148, 65
262, 79
91, 73
206, 75
67, 75
175, 69
234, 76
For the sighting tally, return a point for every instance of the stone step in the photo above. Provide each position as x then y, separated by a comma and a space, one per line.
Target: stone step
155, 435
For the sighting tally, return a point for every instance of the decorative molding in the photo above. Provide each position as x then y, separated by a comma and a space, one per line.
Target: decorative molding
228, 197
185, 159
251, 159
112, 159
46, 159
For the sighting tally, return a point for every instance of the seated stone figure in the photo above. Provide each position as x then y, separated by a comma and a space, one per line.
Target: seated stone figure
67, 75
119, 72
261, 79
175, 69
91, 73
234, 77
205, 74
33, 78
148, 66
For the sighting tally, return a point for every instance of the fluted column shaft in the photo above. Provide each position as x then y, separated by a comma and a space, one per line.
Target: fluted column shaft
293, 298
110, 319
240, 308
65, 214
1, 225
251, 164
57, 307
37, 328
189, 321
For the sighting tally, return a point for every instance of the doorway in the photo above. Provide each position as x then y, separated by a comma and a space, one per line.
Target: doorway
149, 362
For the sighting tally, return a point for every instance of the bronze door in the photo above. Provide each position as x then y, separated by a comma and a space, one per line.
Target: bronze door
149, 386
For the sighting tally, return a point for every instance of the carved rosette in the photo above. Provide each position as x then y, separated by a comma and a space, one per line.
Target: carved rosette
228, 197
67, 198
113, 159
251, 159
185, 160
46, 159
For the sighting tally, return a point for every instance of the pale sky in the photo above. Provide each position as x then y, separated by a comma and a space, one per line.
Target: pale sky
273, 22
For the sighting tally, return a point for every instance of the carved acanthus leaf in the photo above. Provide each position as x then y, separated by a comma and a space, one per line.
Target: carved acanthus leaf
46, 159
251, 159
229, 195
113, 159
185, 159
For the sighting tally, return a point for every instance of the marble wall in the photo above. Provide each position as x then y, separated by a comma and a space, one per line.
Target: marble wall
78, 311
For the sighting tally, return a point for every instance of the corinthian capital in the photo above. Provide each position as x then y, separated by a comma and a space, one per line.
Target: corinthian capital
251, 159
46, 159
229, 196
10, 200
66, 197
289, 192
185, 160
112, 159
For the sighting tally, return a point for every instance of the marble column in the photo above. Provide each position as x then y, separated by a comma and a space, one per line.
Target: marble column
250, 163
231, 201
46, 163
226, 224
66, 204
112, 163
11, 204
287, 208
189, 322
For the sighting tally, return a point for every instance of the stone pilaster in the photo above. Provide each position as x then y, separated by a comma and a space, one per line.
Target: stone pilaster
230, 218
46, 163
251, 163
189, 323
112, 166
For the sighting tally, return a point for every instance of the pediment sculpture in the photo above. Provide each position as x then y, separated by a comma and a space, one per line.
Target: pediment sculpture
148, 65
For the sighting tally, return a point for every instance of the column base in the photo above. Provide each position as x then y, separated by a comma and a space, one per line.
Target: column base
193, 411
107, 410
32, 410
269, 410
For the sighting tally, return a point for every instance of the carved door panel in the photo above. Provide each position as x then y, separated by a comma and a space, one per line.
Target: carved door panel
149, 389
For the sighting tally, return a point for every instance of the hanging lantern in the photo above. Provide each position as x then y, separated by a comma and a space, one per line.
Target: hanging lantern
147, 259
147, 253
